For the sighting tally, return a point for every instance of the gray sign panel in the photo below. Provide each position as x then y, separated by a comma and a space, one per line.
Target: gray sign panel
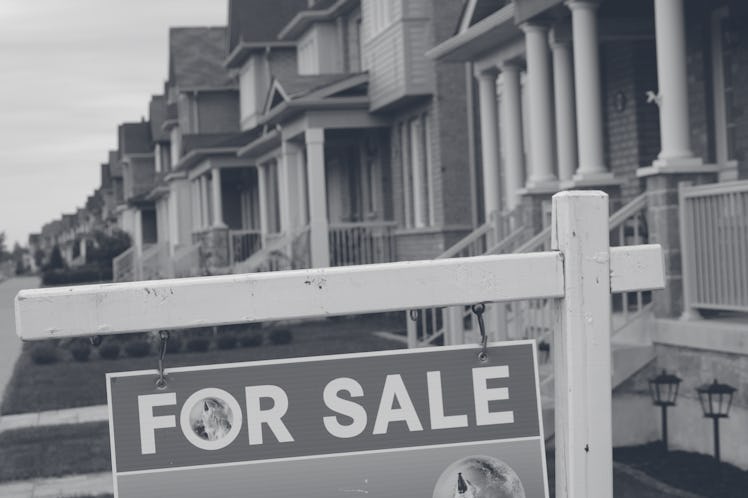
360, 412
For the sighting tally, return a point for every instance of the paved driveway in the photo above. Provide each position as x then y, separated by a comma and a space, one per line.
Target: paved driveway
10, 345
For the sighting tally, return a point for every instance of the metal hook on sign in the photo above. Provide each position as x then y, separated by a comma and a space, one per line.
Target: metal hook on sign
414, 315
95, 340
161, 380
478, 309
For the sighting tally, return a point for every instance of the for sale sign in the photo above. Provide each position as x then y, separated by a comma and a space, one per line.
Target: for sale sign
434, 422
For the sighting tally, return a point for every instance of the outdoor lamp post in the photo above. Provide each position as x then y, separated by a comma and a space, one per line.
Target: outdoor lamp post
715, 400
664, 391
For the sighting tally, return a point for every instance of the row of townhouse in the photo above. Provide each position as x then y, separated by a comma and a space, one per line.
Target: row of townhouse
302, 134
72, 234
335, 132
645, 100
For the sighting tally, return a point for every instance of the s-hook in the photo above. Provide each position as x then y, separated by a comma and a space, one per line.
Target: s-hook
161, 380
478, 310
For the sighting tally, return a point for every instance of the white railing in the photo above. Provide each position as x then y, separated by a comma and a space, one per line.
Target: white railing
155, 263
531, 319
361, 243
280, 252
714, 245
123, 266
243, 244
187, 261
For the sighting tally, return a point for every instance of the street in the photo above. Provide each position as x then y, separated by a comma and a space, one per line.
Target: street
10, 345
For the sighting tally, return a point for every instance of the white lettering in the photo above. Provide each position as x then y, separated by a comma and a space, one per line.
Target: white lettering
344, 407
256, 416
483, 395
394, 389
436, 405
149, 423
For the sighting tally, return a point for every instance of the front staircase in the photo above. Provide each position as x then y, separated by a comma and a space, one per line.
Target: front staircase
632, 317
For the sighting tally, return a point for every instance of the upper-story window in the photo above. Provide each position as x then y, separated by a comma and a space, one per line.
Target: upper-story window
378, 16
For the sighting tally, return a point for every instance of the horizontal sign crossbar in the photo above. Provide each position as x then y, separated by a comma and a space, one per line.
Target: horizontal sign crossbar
106, 309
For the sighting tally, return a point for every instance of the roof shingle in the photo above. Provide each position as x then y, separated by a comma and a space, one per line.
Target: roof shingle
196, 56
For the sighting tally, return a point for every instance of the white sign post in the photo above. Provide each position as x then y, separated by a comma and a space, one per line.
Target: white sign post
581, 273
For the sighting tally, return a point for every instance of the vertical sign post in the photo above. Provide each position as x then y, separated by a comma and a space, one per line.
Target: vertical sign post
581, 360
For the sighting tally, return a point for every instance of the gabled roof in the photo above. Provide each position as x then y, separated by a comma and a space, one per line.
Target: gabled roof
474, 11
115, 168
157, 114
255, 24
295, 87
196, 56
322, 10
135, 138
200, 146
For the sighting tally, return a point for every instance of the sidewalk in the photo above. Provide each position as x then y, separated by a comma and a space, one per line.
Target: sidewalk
99, 413
54, 487
10, 345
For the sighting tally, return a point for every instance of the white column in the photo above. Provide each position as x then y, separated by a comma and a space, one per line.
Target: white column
541, 176
262, 194
289, 178
512, 141
670, 35
566, 125
204, 221
589, 104
489, 136
217, 199
315, 154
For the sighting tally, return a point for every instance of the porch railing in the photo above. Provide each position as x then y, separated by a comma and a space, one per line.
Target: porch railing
155, 263
361, 243
714, 245
280, 252
532, 319
187, 261
243, 244
123, 266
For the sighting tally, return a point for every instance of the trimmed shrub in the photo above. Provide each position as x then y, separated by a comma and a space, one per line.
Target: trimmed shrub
78, 275
80, 350
138, 348
226, 341
109, 351
281, 336
198, 344
250, 339
44, 353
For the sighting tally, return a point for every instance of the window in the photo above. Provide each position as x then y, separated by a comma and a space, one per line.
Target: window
417, 181
379, 13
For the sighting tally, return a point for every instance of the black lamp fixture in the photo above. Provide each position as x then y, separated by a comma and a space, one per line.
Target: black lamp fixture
544, 348
716, 400
664, 391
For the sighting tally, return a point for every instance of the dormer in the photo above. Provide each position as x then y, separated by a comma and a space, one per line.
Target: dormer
327, 36
255, 53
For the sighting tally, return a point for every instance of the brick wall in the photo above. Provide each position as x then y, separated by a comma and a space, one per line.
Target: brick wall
631, 124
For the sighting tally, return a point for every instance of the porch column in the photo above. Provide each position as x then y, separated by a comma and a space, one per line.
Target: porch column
217, 199
489, 136
195, 204
592, 166
670, 35
512, 141
204, 221
262, 194
540, 103
289, 178
315, 154
563, 93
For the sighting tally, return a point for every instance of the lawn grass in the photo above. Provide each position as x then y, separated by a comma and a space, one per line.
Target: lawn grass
692, 472
54, 451
69, 384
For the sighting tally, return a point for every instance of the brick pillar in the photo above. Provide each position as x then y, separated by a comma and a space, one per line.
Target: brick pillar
662, 221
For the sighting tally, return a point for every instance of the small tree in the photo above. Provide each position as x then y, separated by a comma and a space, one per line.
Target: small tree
4, 254
55, 259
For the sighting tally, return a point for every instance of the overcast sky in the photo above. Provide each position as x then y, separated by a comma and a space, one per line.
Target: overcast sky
70, 72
